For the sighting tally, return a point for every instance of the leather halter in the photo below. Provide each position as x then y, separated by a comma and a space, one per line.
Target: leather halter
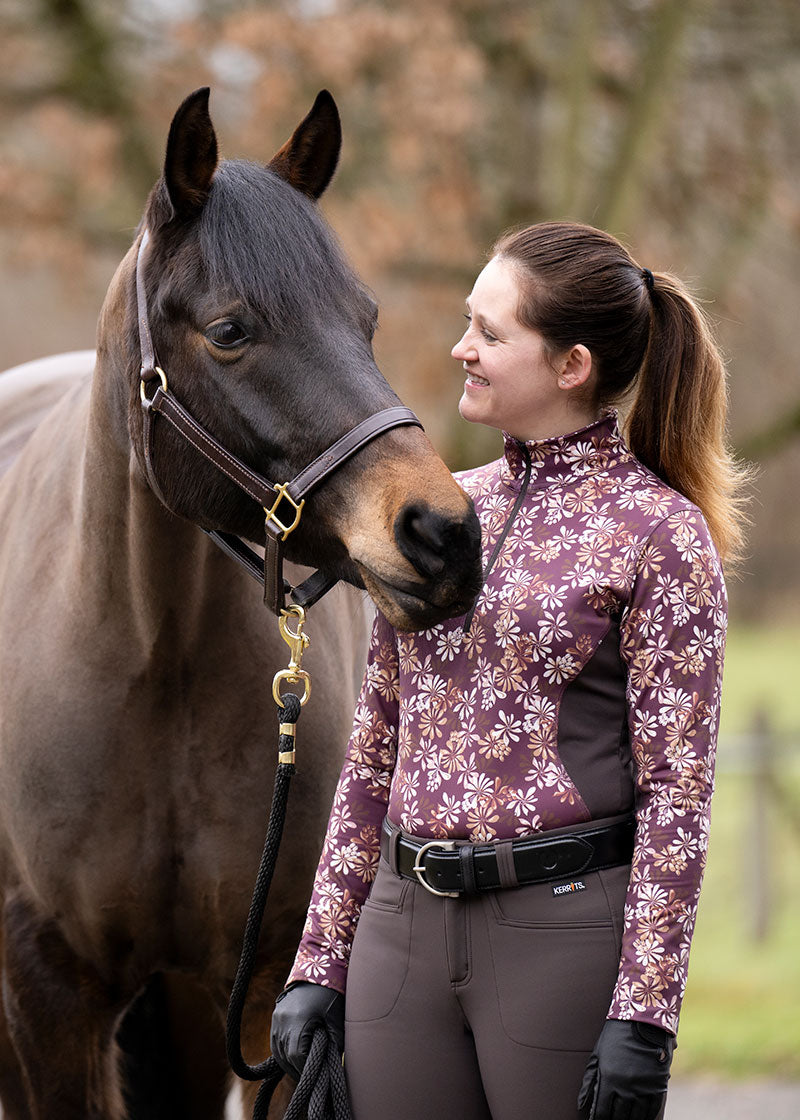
282, 503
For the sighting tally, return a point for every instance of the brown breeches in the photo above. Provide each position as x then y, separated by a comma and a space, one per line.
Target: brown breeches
483, 1007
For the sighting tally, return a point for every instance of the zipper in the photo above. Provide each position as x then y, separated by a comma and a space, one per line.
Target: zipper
505, 531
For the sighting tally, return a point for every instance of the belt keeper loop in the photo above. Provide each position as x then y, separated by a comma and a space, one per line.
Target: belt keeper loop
505, 863
393, 839
466, 859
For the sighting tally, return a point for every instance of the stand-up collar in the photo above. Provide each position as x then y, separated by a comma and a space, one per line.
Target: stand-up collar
597, 447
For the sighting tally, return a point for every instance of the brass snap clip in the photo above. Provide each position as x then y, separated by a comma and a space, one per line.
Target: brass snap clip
297, 642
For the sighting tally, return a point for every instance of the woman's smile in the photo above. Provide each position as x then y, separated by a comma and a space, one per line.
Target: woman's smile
474, 380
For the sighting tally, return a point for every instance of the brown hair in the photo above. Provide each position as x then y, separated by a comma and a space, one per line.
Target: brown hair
646, 334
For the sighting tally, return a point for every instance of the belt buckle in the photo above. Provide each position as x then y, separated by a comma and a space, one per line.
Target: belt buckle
419, 869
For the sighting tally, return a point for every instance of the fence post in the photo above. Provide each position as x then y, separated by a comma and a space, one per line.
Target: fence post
761, 748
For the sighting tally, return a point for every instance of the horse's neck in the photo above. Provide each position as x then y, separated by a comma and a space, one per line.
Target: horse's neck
151, 564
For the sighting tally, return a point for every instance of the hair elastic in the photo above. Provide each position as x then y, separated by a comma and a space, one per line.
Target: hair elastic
649, 279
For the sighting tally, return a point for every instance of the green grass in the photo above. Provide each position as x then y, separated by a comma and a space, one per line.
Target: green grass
762, 671
741, 1014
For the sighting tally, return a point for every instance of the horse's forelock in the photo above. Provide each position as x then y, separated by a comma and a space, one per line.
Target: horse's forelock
270, 247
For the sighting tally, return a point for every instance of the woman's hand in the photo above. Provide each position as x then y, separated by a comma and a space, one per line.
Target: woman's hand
299, 1010
627, 1074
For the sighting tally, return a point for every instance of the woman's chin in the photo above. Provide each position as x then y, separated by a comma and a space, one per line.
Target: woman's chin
469, 410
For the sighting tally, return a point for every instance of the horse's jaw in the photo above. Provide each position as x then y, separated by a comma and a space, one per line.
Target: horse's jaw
404, 603
408, 597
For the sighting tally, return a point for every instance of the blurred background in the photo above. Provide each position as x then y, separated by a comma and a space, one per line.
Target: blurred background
675, 124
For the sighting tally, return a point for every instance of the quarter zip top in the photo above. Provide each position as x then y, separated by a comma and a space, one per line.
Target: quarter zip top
520, 498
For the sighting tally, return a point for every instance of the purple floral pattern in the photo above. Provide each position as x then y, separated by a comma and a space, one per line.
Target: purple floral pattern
456, 734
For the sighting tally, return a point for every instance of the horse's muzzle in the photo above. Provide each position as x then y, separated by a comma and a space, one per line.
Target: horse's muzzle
444, 573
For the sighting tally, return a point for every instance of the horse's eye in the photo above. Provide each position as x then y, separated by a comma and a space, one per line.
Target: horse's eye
226, 334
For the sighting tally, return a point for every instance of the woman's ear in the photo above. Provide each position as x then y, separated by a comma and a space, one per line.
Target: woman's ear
575, 368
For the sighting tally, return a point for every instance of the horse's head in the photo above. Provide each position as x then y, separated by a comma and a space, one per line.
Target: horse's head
265, 334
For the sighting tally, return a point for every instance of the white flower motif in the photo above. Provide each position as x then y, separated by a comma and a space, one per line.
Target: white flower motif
448, 810
553, 627
559, 669
448, 643
508, 726
344, 859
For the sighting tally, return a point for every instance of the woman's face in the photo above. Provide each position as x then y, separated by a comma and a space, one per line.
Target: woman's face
510, 383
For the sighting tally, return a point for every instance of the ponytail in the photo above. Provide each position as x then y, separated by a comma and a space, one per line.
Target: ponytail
647, 336
677, 422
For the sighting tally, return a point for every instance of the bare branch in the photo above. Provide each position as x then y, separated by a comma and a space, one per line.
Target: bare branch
645, 106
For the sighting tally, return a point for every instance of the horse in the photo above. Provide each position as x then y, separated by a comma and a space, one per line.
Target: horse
136, 719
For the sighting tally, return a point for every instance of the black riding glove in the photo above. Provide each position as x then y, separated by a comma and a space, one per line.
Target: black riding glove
627, 1074
299, 1010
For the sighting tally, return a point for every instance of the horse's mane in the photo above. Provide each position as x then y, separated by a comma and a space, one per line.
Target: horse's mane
272, 248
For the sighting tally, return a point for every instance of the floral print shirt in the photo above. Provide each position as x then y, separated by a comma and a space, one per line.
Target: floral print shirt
464, 734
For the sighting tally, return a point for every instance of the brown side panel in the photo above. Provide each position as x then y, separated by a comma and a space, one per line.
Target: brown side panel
593, 731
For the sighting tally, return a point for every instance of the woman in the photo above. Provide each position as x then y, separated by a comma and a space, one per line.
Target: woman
532, 783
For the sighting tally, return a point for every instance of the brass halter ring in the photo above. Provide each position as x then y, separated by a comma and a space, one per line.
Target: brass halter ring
143, 384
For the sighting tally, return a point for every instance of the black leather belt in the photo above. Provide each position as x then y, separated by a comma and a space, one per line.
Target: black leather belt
452, 868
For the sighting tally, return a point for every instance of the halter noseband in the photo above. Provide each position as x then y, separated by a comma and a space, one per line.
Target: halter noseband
282, 503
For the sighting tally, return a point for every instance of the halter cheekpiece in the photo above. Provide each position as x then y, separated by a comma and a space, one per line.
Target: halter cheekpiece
282, 502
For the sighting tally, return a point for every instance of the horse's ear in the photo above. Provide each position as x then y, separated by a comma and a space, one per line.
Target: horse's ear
308, 159
191, 155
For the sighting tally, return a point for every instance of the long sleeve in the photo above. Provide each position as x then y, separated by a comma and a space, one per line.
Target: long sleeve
673, 638
351, 850
494, 733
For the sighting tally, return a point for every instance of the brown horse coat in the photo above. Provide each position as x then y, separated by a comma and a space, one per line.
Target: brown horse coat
137, 727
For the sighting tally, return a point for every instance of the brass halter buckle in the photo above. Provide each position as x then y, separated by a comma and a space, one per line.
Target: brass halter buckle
282, 491
419, 867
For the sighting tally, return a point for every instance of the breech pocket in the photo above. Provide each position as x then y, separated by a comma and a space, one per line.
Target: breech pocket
555, 954
381, 946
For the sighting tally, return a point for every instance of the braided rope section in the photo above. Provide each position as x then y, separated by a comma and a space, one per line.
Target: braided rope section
321, 1092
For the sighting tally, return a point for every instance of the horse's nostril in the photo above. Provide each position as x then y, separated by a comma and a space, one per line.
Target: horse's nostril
420, 536
427, 532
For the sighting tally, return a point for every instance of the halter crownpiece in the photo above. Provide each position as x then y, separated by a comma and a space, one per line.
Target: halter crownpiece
283, 502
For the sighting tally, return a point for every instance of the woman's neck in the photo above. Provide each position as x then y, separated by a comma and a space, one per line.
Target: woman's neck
555, 422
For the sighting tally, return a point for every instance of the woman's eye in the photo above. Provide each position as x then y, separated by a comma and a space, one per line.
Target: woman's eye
486, 334
226, 334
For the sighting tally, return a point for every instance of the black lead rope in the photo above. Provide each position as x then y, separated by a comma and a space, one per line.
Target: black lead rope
321, 1092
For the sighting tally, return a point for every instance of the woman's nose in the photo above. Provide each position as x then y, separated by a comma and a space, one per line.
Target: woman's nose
462, 349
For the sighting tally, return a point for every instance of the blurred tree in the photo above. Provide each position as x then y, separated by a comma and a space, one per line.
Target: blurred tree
674, 123
94, 79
